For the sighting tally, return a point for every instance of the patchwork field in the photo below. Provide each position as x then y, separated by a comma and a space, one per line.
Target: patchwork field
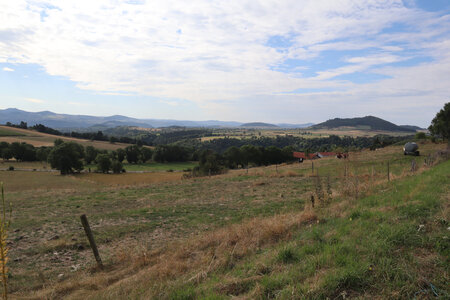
299, 132
252, 234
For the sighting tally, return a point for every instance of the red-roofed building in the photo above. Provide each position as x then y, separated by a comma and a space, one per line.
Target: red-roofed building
301, 156
325, 154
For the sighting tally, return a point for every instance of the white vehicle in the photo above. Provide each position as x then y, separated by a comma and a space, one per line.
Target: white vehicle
411, 148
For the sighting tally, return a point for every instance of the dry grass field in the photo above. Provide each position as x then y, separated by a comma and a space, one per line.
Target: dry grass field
161, 236
39, 139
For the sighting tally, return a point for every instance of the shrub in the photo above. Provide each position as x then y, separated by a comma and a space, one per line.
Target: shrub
103, 163
421, 135
11, 168
116, 166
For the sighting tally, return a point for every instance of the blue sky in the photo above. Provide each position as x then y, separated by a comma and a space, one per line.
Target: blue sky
273, 61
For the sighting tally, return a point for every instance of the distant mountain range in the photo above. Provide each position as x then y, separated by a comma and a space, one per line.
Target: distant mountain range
65, 122
366, 123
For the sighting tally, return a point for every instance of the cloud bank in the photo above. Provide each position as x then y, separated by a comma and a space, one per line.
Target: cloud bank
270, 60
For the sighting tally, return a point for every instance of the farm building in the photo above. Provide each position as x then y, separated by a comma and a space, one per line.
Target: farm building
325, 154
301, 156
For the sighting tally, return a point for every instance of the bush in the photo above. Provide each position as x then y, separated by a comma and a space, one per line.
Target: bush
11, 168
103, 163
116, 166
421, 135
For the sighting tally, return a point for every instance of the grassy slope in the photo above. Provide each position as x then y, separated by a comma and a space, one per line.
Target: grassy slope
38, 139
4, 131
370, 247
47, 205
375, 249
390, 244
268, 249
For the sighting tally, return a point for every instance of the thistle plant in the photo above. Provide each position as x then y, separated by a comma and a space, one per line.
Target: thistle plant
5, 218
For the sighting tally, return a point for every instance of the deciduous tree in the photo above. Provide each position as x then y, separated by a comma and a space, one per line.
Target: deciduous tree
66, 157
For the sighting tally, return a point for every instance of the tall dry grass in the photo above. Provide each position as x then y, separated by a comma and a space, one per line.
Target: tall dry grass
4, 227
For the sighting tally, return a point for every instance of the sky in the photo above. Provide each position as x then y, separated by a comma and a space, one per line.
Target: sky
278, 61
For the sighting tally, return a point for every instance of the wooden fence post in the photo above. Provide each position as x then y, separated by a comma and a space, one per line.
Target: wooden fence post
413, 165
90, 236
312, 167
388, 175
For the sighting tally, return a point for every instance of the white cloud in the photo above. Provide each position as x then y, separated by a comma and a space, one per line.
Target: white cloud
34, 100
8, 69
208, 51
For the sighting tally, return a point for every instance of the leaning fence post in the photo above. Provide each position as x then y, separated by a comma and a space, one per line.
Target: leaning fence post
90, 236
413, 165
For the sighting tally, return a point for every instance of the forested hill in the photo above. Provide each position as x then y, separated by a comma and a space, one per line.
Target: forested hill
258, 125
368, 122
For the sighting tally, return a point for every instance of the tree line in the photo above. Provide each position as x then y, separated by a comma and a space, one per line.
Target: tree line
70, 157
212, 162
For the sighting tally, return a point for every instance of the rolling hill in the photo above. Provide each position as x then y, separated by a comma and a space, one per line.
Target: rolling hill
82, 123
365, 123
40, 139
258, 125
66, 122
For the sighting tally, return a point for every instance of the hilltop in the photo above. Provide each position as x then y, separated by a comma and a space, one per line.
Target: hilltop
258, 125
364, 123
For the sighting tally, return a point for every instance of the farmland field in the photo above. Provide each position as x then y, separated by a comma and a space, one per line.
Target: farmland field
135, 214
299, 132
6, 132
155, 167
39, 139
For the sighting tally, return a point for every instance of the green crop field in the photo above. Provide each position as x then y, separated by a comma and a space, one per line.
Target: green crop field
4, 131
39, 139
251, 234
